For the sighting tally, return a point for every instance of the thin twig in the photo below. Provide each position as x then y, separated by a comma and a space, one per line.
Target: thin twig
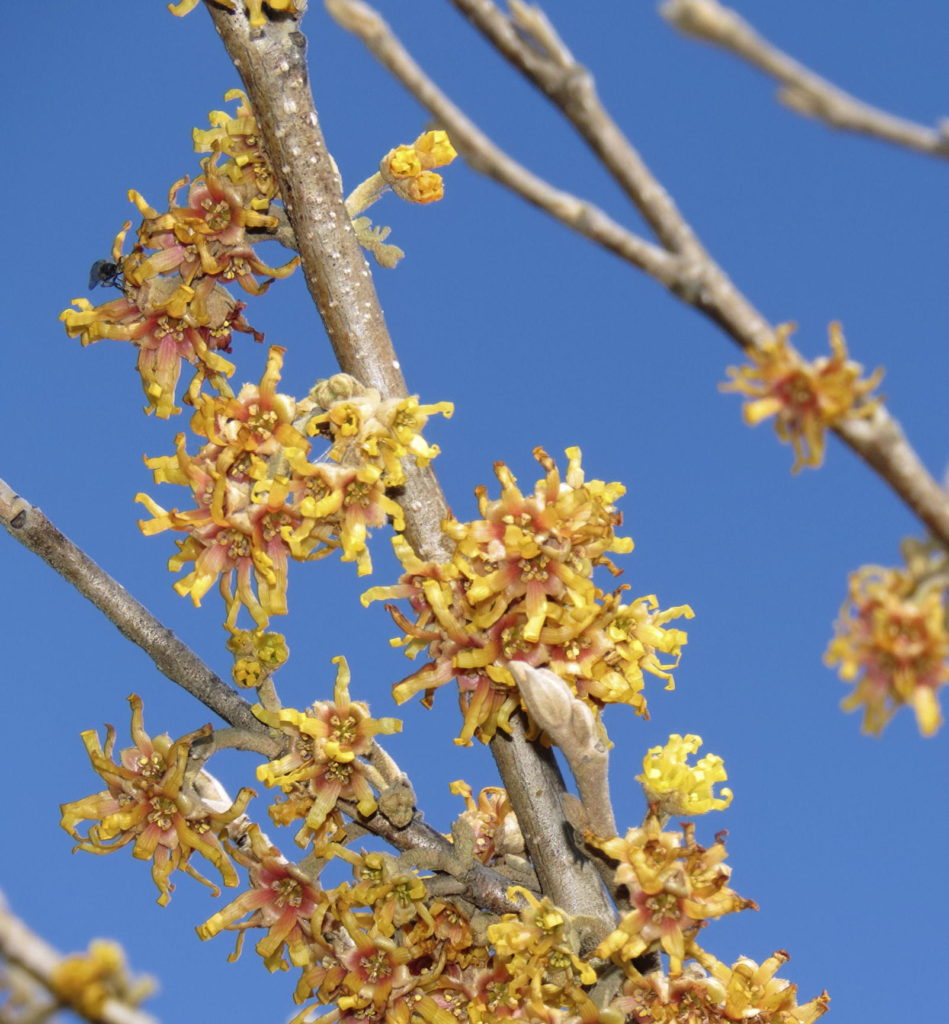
271, 62
531, 44
257, 741
687, 271
487, 158
697, 280
801, 89
27, 524
879, 440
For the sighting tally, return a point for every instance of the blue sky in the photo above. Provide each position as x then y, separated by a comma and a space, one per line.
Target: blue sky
539, 338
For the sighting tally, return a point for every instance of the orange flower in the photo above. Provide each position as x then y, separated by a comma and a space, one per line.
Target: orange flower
282, 899
806, 398
892, 638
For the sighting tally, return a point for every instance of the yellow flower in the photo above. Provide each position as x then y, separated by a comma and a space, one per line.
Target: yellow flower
677, 788
806, 398
407, 170
751, 991
349, 500
434, 149
397, 899
238, 137
362, 427
257, 655
403, 162
892, 639
255, 8
533, 946
328, 743
427, 187
673, 885
492, 821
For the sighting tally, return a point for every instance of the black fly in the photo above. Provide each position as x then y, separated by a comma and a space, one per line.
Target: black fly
106, 273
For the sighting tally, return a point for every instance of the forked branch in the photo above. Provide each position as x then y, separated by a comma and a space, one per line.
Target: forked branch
529, 41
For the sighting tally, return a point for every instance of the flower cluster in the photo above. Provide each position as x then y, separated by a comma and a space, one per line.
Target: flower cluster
380, 949
257, 655
405, 956
892, 639
87, 981
384, 949
261, 501
176, 306
149, 803
673, 886
412, 956
674, 787
408, 172
746, 991
805, 398
519, 587
325, 763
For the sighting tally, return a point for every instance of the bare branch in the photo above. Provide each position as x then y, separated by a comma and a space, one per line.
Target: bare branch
689, 273
802, 90
529, 40
879, 440
27, 524
484, 156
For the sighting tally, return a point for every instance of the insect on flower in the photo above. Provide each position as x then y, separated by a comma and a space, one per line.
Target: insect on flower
106, 273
